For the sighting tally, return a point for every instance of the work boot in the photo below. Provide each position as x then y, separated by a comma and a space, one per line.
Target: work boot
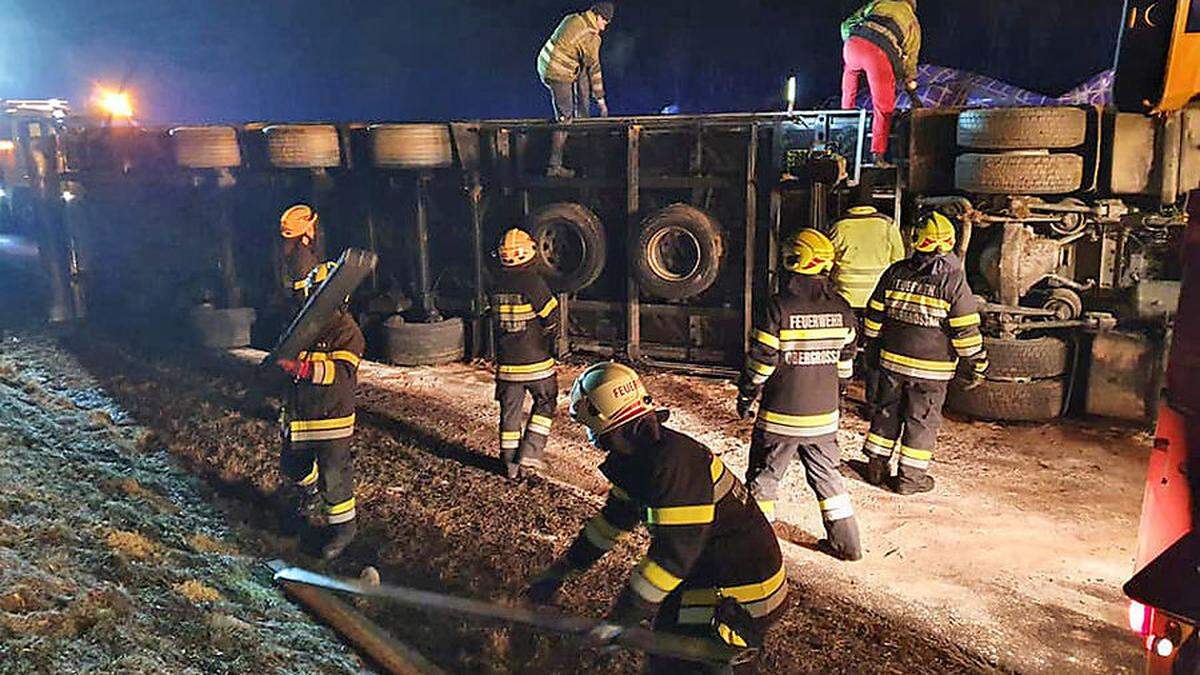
879, 161
912, 485
339, 537
843, 542
303, 509
559, 171
512, 470
877, 470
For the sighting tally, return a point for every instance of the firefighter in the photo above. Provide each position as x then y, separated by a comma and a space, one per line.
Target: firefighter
571, 55
526, 319
714, 568
317, 421
804, 342
882, 39
866, 243
923, 326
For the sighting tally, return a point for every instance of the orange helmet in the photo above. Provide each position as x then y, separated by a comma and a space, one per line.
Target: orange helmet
516, 248
298, 221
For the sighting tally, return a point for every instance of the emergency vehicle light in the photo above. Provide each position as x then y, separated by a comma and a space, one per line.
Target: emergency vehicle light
1141, 618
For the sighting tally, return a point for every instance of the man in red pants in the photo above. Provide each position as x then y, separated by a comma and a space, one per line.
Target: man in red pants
883, 40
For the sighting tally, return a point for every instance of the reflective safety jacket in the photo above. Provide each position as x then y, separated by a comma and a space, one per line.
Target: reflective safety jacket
802, 343
867, 243
891, 25
321, 407
708, 537
525, 319
924, 317
572, 50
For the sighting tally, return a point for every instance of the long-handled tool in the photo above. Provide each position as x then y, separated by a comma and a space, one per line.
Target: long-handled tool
545, 619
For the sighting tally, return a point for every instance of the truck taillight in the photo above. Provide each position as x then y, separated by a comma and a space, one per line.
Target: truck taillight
1141, 618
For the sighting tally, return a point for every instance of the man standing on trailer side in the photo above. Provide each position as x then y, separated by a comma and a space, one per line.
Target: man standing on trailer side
317, 421
883, 40
866, 243
714, 569
923, 326
803, 344
571, 55
525, 323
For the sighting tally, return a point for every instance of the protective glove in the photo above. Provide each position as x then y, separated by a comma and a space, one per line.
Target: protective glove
543, 588
972, 375
603, 106
911, 88
300, 370
744, 403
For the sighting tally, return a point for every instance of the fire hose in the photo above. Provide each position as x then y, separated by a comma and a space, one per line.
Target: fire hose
541, 618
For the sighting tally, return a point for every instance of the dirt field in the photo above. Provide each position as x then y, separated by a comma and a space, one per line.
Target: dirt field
1013, 564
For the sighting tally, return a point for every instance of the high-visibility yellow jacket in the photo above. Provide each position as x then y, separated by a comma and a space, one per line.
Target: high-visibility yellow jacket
572, 50
893, 26
867, 243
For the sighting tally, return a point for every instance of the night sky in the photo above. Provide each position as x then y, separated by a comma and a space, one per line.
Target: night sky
237, 60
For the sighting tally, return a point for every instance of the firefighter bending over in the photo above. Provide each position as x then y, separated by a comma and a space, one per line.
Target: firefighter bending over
803, 343
883, 40
923, 326
317, 421
572, 53
713, 569
525, 313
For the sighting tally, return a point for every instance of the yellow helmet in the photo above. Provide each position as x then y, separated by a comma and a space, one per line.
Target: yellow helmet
607, 396
298, 221
516, 248
934, 233
809, 252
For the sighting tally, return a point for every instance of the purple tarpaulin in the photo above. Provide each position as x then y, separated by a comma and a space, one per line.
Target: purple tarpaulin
941, 87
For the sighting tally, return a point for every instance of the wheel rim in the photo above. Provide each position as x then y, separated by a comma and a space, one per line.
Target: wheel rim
674, 253
562, 248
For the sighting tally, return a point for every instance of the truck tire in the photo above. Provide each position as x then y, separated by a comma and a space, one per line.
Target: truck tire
1022, 128
222, 328
1027, 359
423, 344
1036, 401
303, 146
411, 146
206, 147
572, 245
678, 254
1019, 173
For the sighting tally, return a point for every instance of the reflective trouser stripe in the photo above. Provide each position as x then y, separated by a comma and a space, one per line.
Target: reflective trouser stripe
321, 430
837, 507
916, 459
798, 426
879, 446
510, 440
342, 512
601, 533
652, 582
311, 478
758, 599
539, 424
941, 371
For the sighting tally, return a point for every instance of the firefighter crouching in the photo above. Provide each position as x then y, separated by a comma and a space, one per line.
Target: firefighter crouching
525, 315
804, 342
923, 325
713, 569
569, 57
317, 422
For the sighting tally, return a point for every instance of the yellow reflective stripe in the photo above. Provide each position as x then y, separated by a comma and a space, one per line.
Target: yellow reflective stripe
967, 342
917, 299
323, 373
531, 368
515, 309
744, 594
343, 507
760, 367
656, 575
700, 514
551, 305
730, 637
880, 441
876, 305
922, 364
767, 339
541, 420
716, 468
870, 325
965, 321
323, 425
510, 435
311, 478
923, 455
300, 285
768, 508
800, 420
813, 334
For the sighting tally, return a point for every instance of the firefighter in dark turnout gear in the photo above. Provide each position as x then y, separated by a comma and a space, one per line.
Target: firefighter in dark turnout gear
803, 344
567, 64
923, 323
714, 568
525, 315
317, 422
